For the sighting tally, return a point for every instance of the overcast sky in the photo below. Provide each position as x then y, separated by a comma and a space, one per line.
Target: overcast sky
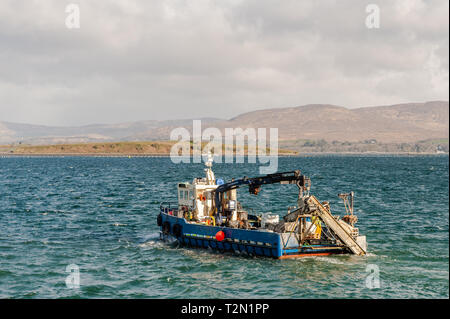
141, 60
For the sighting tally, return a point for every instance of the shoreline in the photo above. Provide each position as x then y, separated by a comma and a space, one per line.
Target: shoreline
168, 155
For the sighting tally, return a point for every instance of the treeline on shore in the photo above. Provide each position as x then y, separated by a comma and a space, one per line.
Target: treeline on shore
323, 146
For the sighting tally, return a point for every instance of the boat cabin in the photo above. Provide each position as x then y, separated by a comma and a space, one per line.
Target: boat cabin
197, 198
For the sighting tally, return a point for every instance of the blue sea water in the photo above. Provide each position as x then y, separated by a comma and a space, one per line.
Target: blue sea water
99, 213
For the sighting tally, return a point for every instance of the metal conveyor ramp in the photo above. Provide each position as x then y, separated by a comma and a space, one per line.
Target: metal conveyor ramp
334, 225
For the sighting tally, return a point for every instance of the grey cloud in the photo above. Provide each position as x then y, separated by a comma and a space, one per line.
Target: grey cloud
134, 60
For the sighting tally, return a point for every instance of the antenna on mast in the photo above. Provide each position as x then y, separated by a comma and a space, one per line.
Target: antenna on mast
210, 159
210, 178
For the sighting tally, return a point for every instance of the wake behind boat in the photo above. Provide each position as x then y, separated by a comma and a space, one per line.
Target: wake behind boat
208, 215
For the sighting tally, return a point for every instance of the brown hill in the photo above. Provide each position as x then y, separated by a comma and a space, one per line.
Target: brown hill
389, 124
401, 123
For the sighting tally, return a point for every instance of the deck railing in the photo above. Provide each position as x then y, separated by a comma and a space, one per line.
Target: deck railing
166, 207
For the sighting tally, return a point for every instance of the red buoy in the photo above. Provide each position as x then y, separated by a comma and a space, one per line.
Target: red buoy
220, 235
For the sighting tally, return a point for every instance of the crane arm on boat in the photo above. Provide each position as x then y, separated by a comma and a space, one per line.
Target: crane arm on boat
254, 184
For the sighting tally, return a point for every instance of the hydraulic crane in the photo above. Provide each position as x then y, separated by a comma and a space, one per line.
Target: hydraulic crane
254, 185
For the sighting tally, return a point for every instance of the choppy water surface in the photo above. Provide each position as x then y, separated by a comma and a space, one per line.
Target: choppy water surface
100, 214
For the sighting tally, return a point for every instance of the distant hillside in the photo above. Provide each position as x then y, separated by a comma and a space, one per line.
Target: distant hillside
389, 124
40, 134
301, 126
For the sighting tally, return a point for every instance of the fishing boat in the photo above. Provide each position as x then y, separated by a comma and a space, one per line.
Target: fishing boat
208, 215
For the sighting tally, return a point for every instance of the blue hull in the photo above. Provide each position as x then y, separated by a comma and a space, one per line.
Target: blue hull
242, 241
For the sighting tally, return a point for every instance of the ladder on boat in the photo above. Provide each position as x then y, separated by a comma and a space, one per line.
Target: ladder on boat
334, 225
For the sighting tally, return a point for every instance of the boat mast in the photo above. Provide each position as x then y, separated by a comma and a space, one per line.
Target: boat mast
210, 178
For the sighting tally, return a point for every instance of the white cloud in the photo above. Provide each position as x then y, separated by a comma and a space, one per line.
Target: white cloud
133, 60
